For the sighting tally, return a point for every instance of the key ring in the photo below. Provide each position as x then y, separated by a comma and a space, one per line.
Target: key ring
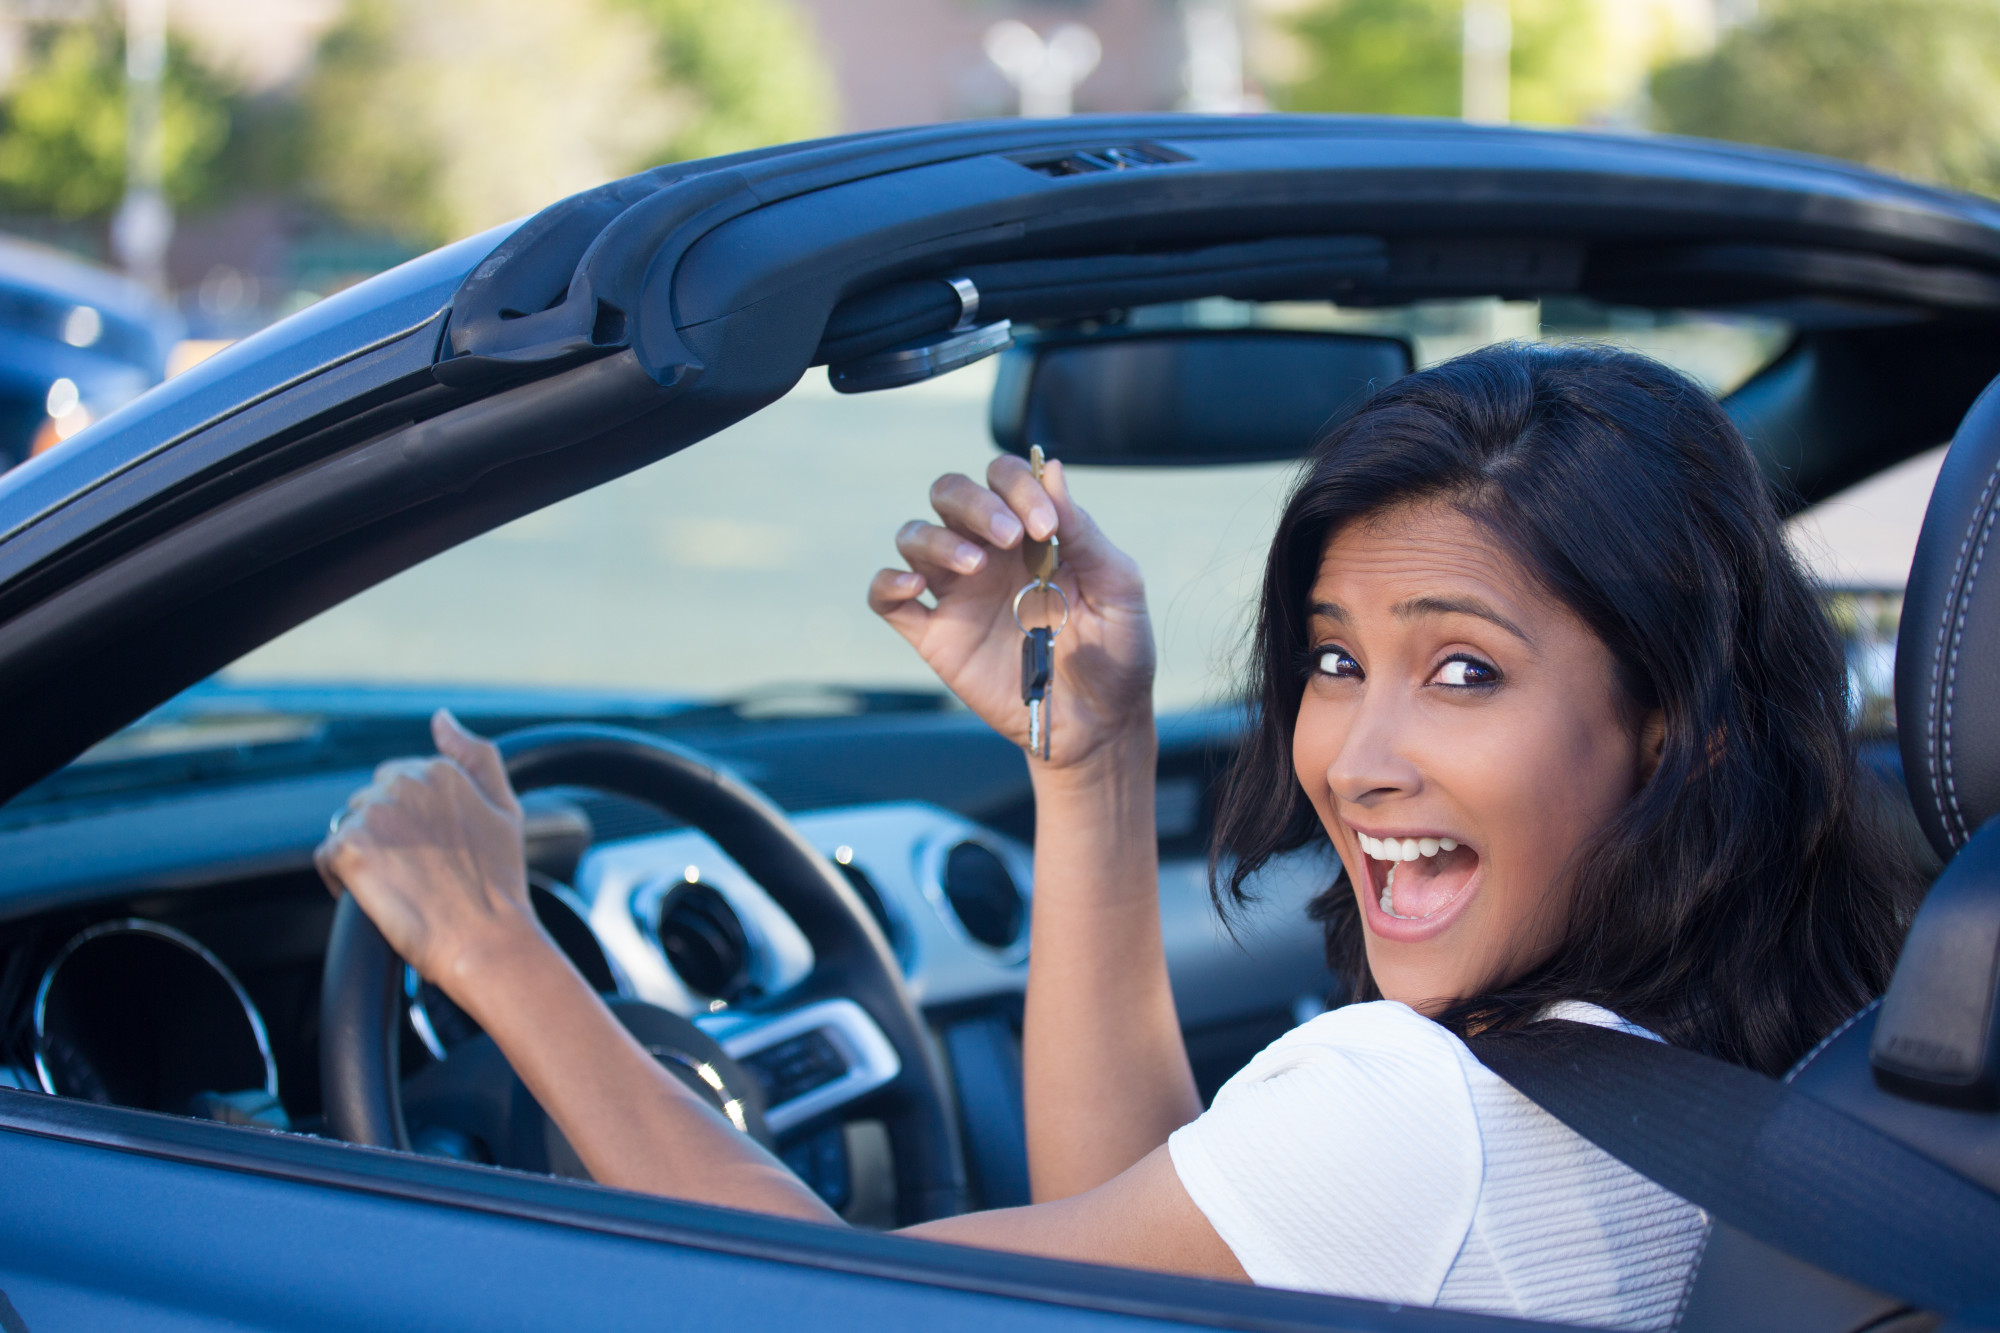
1055, 588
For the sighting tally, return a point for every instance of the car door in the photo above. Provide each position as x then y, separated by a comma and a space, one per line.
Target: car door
120, 1219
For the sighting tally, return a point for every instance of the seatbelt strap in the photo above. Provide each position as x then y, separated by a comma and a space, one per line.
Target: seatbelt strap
1768, 1160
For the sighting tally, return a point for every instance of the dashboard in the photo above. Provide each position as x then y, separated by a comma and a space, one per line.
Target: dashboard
166, 955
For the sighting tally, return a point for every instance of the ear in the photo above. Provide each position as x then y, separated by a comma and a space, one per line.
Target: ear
1652, 741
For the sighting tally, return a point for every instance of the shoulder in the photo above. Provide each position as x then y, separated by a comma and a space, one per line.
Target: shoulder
1382, 1036
1362, 1115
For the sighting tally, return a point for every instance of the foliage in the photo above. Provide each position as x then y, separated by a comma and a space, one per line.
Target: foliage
1911, 86
1402, 57
437, 118
750, 75
62, 126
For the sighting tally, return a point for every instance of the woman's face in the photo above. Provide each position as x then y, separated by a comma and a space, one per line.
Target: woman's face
1462, 735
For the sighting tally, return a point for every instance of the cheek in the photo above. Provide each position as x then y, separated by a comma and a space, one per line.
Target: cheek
1316, 741
1551, 786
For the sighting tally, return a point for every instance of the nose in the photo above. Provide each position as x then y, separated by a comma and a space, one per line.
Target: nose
1373, 763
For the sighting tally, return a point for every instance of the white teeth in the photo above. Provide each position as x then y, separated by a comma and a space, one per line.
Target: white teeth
1404, 849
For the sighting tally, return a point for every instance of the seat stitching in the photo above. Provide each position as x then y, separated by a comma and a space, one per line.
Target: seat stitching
1831, 1037
1944, 673
1964, 602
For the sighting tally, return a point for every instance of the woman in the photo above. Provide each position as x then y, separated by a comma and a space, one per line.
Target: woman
1532, 658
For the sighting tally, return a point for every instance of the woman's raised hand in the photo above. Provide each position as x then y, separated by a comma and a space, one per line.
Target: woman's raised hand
971, 563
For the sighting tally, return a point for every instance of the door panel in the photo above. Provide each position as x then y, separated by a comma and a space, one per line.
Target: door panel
114, 1219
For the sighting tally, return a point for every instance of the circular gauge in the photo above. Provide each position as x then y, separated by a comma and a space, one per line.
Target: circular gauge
134, 1013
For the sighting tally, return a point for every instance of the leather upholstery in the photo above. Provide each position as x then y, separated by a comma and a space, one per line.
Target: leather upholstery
1948, 721
1947, 703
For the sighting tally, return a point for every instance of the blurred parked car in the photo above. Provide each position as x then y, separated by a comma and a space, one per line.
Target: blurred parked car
76, 342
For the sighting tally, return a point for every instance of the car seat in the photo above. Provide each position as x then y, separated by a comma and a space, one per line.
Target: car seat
1923, 1064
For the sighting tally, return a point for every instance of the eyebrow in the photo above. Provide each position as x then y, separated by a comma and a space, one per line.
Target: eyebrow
1431, 606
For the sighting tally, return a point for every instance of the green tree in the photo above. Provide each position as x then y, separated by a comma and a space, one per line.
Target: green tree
750, 75
1402, 57
1910, 86
62, 127
432, 119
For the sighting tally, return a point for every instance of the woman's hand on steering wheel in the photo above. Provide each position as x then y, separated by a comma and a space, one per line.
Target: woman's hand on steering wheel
973, 565
432, 851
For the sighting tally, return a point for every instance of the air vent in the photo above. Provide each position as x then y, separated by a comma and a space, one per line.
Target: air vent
983, 895
1088, 161
705, 943
871, 898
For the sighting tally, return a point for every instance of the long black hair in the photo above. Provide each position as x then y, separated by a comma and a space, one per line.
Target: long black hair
1749, 897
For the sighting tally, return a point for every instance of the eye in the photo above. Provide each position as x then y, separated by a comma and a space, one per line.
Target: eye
1332, 661
1466, 672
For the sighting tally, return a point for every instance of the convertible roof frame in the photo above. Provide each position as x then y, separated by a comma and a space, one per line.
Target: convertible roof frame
616, 327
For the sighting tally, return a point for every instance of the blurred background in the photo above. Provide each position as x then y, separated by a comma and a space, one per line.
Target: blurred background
242, 158
175, 174
239, 159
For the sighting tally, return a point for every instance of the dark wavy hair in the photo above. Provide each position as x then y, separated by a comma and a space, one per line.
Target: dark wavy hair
1751, 896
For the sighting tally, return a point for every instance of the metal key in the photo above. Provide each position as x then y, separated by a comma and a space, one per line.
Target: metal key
1041, 557
1038, 645
1038, 669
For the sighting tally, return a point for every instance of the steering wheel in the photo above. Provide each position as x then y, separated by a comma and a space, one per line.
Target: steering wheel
361, 993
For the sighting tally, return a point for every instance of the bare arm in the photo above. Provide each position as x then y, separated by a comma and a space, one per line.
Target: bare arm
432, 851
1106, 1073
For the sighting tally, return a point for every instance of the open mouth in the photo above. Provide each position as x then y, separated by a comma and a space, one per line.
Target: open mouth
1418, 878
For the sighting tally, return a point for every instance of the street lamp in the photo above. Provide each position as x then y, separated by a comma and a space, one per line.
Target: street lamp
1213, 71
144, 223
1044, 73
1486, 48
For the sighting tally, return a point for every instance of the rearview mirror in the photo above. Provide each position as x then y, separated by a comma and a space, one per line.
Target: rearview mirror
1186, 397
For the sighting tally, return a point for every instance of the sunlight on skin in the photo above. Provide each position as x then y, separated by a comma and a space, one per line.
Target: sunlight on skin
1456, 700
1451, 697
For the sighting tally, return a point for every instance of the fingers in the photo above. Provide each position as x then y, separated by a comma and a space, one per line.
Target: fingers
893, 594
938, 553
1014, 481
477, 756
973, 511
1083, 542
323, 862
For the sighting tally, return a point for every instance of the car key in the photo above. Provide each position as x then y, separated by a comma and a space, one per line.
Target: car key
1038, 645
1038, 669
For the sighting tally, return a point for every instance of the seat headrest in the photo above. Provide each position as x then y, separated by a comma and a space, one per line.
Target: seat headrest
1948, 647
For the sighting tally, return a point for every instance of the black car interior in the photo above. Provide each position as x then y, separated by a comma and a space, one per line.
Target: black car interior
633, 320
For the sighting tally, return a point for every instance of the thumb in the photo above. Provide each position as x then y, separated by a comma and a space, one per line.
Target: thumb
1084, 544
479, 757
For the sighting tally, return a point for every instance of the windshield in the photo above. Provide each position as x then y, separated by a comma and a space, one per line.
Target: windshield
735, 571
739, 566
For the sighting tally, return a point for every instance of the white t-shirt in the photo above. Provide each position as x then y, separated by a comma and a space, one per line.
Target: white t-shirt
1367, 1153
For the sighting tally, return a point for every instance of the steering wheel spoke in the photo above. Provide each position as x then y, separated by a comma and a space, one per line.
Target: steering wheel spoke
811, 1061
